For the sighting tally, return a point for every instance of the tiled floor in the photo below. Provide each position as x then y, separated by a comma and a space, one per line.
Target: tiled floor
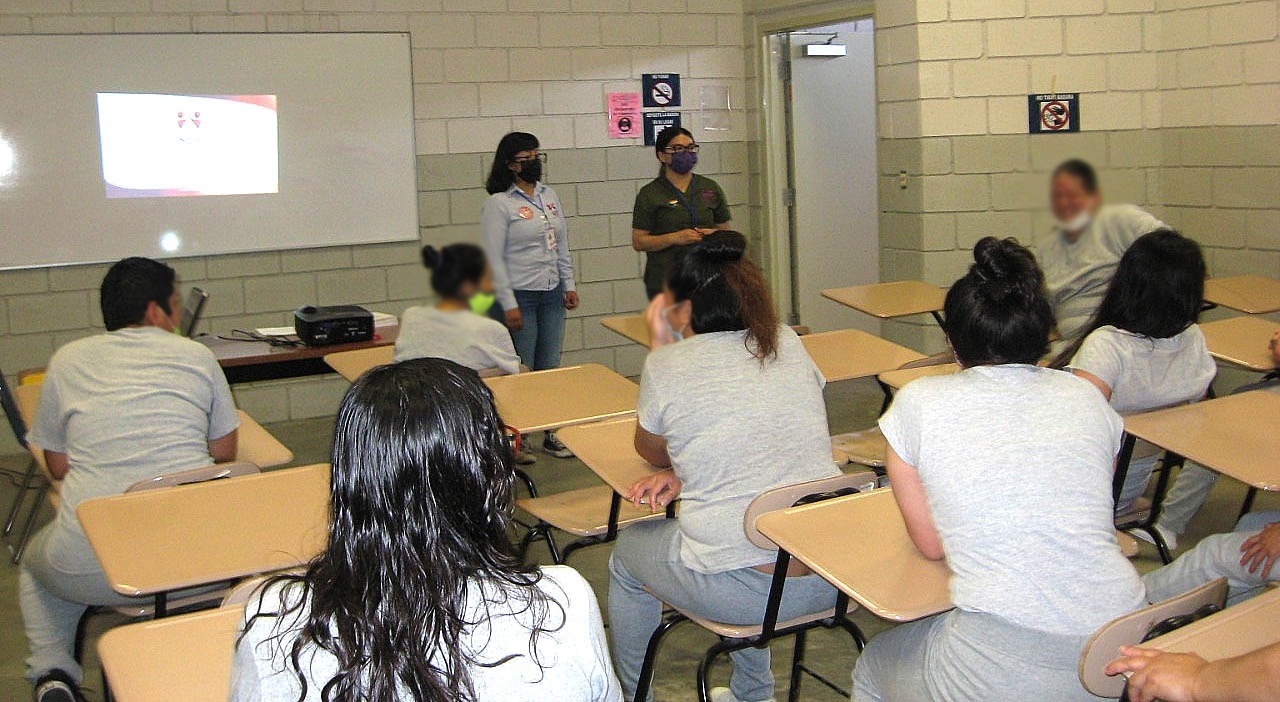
851, 406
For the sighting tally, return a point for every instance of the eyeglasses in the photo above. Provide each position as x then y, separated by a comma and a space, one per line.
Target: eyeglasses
680, 149
529, 159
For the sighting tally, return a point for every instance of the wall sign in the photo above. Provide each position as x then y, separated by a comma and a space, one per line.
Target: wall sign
1051, 113
661, 89
624, 115
655, 122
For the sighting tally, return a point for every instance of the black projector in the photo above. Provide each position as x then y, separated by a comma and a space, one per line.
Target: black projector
340, 324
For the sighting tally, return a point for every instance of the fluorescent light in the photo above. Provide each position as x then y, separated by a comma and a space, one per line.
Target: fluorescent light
170, 242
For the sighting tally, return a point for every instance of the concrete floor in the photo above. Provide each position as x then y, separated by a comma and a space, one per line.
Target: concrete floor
851, 405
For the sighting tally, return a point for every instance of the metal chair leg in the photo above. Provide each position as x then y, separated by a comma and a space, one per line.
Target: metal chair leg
1247, 507
645, 682
704, 667
20, 497
797, 667
31, 521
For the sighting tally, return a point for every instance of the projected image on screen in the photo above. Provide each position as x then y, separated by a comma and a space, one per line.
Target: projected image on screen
156, 145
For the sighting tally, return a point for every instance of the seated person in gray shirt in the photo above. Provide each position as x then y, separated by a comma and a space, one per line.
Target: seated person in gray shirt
419, 594
1004, 470
1089, 238
724, 373
115, 409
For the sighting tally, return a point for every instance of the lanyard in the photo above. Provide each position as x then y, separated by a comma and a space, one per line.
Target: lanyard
537, 204
688, 205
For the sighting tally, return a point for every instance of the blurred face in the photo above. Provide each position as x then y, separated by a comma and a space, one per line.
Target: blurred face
682, 142
168, 321
678, 314
483, 285
1069, 199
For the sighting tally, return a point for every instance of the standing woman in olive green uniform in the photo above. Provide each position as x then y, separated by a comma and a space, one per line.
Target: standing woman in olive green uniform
677, 209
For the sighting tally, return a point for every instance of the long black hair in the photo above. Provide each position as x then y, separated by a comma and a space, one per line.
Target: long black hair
421, 491
999, 311
500, 175
727, 291
1157, 290
454, 265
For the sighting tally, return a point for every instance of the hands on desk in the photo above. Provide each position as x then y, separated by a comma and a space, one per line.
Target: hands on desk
1262, 550
657, 490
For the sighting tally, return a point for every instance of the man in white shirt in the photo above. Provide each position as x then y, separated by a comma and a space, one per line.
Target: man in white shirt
1089, 238
115, 408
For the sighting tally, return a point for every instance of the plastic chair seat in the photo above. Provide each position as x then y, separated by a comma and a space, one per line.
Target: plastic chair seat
866, 448
584, 512
1128, 545
746, 631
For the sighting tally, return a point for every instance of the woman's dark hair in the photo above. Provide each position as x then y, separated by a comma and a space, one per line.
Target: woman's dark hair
500, 176
999, 311
454, 265
130, 286
421, 499
727, 291
1157, 290
1080, 170
663, 140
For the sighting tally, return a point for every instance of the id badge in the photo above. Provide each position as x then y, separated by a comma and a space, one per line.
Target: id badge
550, 234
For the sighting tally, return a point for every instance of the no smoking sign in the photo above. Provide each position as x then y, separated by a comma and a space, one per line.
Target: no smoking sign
1053, 113
661, 89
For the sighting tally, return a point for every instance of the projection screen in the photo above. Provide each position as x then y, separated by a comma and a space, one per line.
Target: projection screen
171, 145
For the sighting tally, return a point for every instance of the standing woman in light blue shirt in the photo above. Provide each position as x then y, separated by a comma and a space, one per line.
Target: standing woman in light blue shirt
527, 242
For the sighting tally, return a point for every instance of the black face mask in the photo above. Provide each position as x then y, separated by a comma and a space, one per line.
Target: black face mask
530, 171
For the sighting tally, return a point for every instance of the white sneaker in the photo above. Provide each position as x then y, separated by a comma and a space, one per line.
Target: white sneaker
1170, 538
723, 694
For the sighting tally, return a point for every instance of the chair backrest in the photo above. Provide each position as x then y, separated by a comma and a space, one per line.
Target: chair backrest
241, 592
1130, 629
353, 364
12, 413
204, 474
786, 496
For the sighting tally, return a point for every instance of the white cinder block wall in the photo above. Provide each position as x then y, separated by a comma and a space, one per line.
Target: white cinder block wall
481, 68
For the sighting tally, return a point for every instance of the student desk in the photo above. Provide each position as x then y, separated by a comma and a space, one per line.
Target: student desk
895, 379
1252, 294
632, 327
1241, 341
562, 397
889, 300
883, 572
187, 657
250, 361
1235, 631
850, 353
608, 450
153, 542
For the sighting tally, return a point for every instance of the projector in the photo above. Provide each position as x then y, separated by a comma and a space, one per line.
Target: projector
340, 324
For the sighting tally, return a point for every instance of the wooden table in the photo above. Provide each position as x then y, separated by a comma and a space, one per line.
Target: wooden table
187, 657
632, 327
1234, 435
608, 449
1241, 341
250, 361
353, 364
897, 378
850, 353
889, 300
1253, 294
860, 545
1235, 631
156, 541
562, 397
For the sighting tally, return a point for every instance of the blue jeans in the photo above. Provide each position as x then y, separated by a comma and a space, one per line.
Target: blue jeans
538, 343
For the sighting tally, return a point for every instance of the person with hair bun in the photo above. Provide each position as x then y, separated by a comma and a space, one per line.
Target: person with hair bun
1004, 470
723, 373
457, 327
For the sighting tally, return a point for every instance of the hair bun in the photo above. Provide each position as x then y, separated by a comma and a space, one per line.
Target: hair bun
1004, 267
431, 257
722, 247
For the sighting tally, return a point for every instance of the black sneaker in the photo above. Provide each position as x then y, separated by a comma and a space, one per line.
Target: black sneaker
57, 686
553, 446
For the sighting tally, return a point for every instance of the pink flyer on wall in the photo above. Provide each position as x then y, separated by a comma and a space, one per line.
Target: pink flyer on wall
624, 115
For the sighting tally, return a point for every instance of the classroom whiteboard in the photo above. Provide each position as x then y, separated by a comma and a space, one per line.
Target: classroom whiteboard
169, 145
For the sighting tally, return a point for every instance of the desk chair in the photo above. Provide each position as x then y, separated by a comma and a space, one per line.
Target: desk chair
1144, 513
25, 398
868, 447
735, 637
30, 480
1143, 625
579, 512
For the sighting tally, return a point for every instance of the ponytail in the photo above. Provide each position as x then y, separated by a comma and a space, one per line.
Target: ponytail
727, 291
999, 312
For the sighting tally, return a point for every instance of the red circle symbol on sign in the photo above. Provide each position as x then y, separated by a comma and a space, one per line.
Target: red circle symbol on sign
1055, 115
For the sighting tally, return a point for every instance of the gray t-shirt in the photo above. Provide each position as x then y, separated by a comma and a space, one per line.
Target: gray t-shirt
126, 406
461, 336
1145, 373
1016, 463
735, 428
1077, 274
570, 661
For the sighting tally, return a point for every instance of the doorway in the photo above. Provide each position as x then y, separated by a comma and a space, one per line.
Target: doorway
820, 123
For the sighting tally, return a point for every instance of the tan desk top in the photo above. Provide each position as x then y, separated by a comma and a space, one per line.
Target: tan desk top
888, 300
161, 540
562, 397
1254, 294
850, 353
1235, 631
897, 378
1233, 435
191, 653
608, 449
884, 573
629, 326
1241, 341
353, 364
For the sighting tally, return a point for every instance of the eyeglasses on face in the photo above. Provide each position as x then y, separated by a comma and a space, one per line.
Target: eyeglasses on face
538, 156
681, 148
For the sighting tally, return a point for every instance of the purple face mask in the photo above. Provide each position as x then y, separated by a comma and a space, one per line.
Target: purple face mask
683, 162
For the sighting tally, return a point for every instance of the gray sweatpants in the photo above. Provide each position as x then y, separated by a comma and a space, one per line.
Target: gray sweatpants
648, 555
962, 656
1216, 556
